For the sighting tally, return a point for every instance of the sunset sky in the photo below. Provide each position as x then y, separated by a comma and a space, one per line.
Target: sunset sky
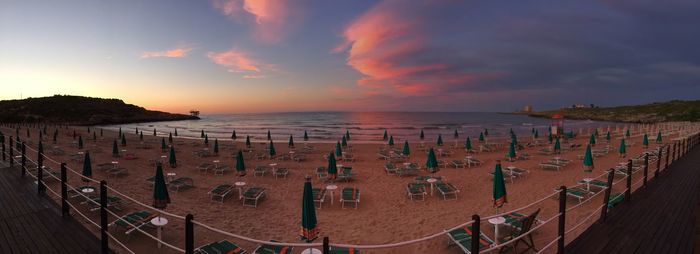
286, 55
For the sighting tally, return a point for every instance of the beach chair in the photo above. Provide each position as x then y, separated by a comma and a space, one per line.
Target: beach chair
319, 196
593, 183
253, 195
577, 193
346, 174
507, 175
350, 195
348, 157
622, 169
516, 171
390, 168
112, 202
473, 161
522, 225
299, 157
116, 172
273, 249
134, 221
549, 165
181, 183
515, 219
447, 190
485, 148
57, 152
321, 172
260, 170
409, 170
383, 156
280, 172
130, 156
151, 180
221, 191
204, 167
341, 250
458, 163
462, 237
416, 190
220, 169
77, 157
616, 199
220, 247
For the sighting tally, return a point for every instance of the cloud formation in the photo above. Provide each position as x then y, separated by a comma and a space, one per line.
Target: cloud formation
272, 20
237, 61
180, 51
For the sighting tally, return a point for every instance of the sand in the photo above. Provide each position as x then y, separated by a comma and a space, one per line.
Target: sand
385, 214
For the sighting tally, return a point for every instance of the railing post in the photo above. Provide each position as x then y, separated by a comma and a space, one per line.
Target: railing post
12, 153
562, 219
3, 149
658, 162
40, 172
606, 198
64, 192
476, 232
326, 246
628, 192
668, 153
24, 159
104, 246
646, 169
189, 234
673, 156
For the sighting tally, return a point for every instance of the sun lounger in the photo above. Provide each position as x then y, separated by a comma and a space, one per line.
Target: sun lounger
321, 172
486, 148
130, 156
473, 161
390, 168
578, 193
57, 152
181, 183
416, 190
77, 157
253, 194
78, 191
516, 171
409, 170
515, 220
350, 195
348, 157
204, 167
346, 174
507, 175
273, 249
260, 170
447, 190
548, 165
220, 169
593, 183
221, 191
280, 172
522, 225
458, 163
616, 199
220, 247
299, 157
112, 202
319, 196
134, 221
462, 237
116, 172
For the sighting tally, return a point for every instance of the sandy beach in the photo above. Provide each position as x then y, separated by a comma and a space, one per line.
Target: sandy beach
385, 214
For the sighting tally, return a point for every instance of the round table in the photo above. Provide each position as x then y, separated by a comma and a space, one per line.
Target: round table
159, 222
88, 190
432, 181
273, 165
311, 251
496, 222
115, 163
171, 176
81, 153
331, 188
240, 188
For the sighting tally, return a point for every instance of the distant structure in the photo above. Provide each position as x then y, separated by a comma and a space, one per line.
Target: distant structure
527, 109
194, 112
578, 106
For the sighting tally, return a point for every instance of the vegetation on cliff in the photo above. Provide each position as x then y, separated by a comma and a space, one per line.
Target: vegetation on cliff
675, 110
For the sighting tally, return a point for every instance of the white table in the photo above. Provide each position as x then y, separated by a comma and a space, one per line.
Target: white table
171, 176
240, 188
331, 188
273, 165
496, 222
311, 251
159, 222
588, 183
115, 163
88, 190
432, 181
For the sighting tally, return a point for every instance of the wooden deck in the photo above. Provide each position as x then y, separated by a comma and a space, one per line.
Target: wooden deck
658, 219
33, 224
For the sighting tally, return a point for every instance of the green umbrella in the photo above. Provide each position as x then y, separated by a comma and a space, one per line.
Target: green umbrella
120, 131
269, 135
500, 196
422, 136
344, 141
162, 144
486, 132
659, 139
175, 132
557, 146
115, 149
608, 136
272, 149
240, 165
537, 134
645, 141
456, 135
206, 140
468, 144
628, 133
338, 149
87, 167
439, 140
596, 132
137, 130
141, 136
154, 132
306, 136
94, 135
123, 140
623, 148
233, 135
591, 140
74, 134
532, 131
102, 134
247, 141
332, 168
347, 134
386, 135
511, 152
406, 149
202, 135
391, 140
513, 139
171, 158
80, 142
291, 141
216, 146
481, 137
309, 225
588, 159
55, 136
170, 137
161, 198
550, 138
432, 163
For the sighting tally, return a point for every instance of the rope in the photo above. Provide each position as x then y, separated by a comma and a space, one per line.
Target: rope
532, 230
120, 243
256, 240
521, 208
587, 200
145, 233
594, 212
549, 244
144, 205
83, 215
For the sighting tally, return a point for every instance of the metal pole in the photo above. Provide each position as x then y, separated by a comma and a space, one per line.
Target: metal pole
562, 219
104, 246
476, 231
64, 192
189, 234
606, 199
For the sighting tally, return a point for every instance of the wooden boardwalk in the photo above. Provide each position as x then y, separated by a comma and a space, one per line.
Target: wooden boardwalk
658, 219
33, 224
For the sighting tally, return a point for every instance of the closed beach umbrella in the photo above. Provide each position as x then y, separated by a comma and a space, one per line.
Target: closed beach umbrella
216, 145
247, 141
123, 140
170, 137
233, 135
206, 140
406, 149
439, 140
422, 136
386, 135
80, 142
347, 134
94, 135
162, 144
659, 139
456, 135
55, 136
115, 149
486, 132
240, 165
557, 146
306, 136
391, 140
175, 132
272, 149
102, 134
171, 158
588, 159
500, 196
338, 149
344, 141
432, 163
136, 130
468, 144
628, 133
481, 137
513, 139
202, 135
550, 138
154, 132
87, 167
291, 141
537, 134
532, 131
120, 131
269, 135
332, 168
161, 198
309, 225
511, 152
645, 141
623, 148
591, 140
608, 137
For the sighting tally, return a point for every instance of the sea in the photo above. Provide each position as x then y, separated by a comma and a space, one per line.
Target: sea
364, 127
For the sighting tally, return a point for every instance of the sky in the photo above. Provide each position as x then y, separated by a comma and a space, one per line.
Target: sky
221, 56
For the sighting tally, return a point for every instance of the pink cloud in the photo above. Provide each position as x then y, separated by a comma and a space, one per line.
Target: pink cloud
180, 51
272, 19
238, 61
